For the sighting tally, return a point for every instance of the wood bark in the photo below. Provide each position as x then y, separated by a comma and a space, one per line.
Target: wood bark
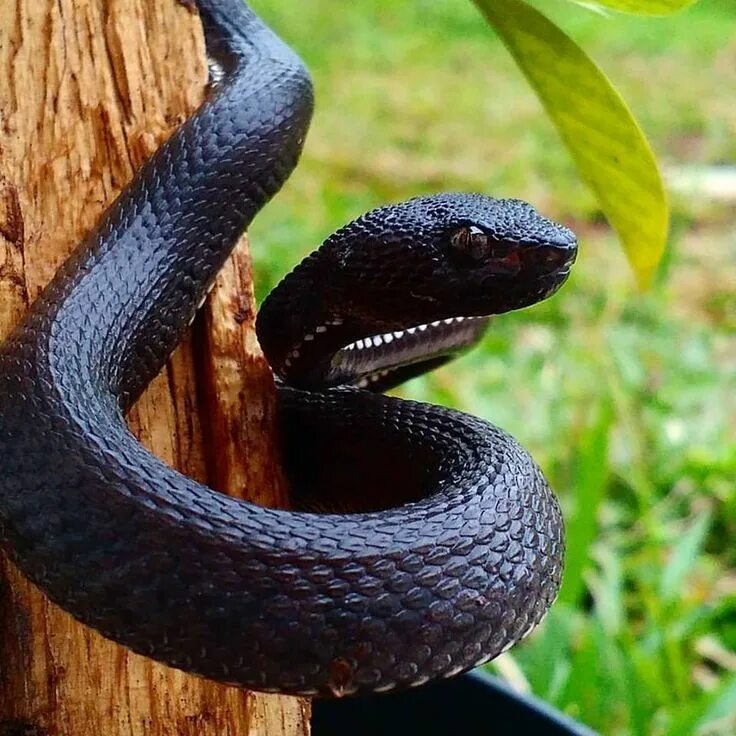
88, 90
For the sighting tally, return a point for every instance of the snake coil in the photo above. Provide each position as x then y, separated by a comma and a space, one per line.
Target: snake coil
298, 602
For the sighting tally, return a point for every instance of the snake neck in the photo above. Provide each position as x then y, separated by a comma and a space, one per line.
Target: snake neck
299, 331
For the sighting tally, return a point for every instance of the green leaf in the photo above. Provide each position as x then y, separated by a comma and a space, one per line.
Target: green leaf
610, 151
642, 7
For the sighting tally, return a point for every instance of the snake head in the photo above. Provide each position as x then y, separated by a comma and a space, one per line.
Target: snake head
448, 255
429, 264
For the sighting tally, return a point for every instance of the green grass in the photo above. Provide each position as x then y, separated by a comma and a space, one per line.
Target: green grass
627, 400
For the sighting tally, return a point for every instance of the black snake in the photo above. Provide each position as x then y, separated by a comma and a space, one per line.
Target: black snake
296, 602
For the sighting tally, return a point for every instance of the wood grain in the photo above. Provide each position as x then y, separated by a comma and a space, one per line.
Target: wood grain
88, 90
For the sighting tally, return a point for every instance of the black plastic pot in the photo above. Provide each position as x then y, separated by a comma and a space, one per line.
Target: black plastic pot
474, 704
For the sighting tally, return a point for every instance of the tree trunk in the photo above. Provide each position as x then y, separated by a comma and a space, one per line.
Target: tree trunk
88, 90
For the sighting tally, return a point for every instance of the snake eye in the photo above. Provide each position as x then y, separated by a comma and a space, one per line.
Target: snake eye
473, 242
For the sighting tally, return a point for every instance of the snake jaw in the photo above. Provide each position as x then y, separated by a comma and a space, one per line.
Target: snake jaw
381, 361
374, 360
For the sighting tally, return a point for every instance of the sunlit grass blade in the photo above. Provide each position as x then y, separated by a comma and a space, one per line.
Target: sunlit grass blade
642, 7
545, 655
590, 464
711, 713
606, 586
611, 153
684, 556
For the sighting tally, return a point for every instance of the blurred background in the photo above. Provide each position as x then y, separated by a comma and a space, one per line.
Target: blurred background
627, 400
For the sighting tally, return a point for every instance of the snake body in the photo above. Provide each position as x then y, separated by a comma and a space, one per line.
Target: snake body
296, 602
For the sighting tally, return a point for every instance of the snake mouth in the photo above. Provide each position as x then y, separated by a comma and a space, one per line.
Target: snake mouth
385, 359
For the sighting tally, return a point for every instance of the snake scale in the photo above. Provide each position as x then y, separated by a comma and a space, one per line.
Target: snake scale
442, 544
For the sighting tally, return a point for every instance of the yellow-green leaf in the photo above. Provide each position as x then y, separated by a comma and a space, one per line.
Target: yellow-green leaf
610, 151
642, 7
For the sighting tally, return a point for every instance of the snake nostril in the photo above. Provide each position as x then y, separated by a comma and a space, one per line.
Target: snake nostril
555, 257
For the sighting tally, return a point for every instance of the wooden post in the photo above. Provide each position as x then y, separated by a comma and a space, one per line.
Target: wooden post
88, 90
